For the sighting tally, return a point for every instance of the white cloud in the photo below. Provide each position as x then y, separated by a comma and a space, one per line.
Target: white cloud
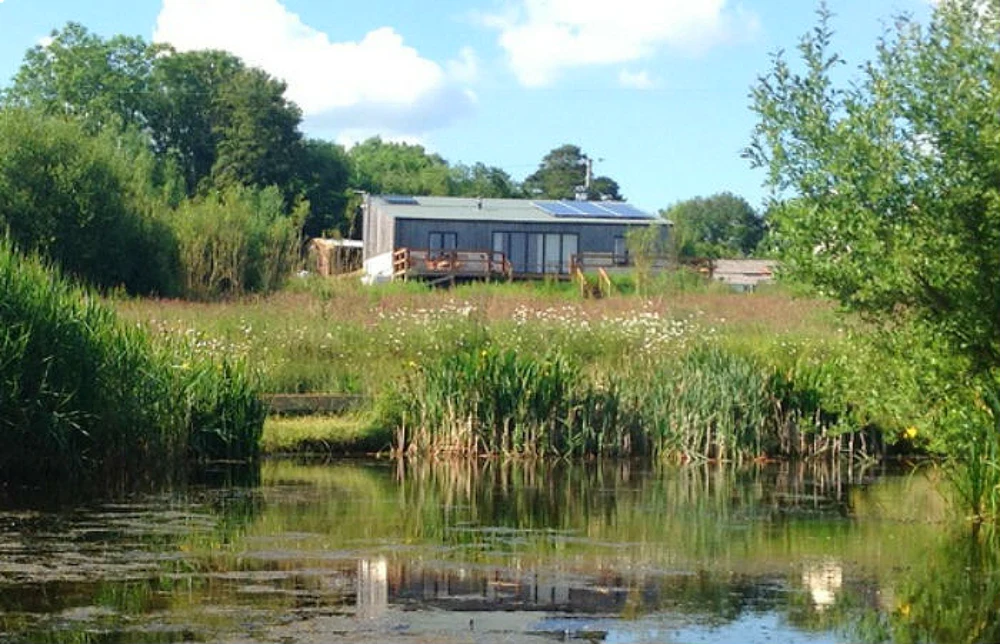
635, 80
377, 82
544, 37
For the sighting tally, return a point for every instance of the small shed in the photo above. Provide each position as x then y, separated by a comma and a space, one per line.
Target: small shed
328, 257
744, 274
427, 237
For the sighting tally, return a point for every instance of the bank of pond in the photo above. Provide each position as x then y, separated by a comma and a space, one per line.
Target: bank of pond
90, 399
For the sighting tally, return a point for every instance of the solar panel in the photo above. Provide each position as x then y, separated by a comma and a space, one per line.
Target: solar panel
592, 209
557, 208
622, 209
400, 200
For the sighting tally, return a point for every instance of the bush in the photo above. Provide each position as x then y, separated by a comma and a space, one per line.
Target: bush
236, 242
70, 196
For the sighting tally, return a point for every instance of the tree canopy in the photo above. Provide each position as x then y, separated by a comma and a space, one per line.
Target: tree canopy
561, 171
722, 225
886, 195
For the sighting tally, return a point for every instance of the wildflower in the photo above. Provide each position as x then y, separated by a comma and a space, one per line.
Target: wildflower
911, 432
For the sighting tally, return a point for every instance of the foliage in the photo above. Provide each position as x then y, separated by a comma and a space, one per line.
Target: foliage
894, 186
87, 398
722, 225
897, 178
706, 403
76, 73
325, 185
235, 242
86, 202
259, 141
398, 168
561, 171
480, 180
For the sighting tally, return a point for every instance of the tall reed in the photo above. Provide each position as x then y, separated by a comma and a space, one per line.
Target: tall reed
708, 403
85, 397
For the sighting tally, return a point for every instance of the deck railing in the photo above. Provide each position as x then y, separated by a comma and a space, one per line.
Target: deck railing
426, 263
616, 262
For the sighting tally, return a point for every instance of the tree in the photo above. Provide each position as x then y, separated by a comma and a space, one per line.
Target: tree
480, 180
257, 128
560, 173
398, 168
182, 110
886, 195
73, 198
722, 225
101, 82
325, 176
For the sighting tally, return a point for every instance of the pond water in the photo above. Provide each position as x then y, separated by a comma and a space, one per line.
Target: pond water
370, 551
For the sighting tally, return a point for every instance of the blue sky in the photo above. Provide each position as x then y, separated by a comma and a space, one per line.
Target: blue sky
654, 90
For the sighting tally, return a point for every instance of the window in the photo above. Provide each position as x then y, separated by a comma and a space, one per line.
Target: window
537, 252
441, 242
621, 251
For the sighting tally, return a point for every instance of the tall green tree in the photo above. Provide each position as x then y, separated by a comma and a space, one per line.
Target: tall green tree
480, 180
561, 171
324, 177
398, 168
101, 82
183, 113
82, 201
257, 127
887, 196
722, 225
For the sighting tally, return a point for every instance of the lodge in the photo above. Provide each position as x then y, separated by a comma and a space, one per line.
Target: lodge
471, 238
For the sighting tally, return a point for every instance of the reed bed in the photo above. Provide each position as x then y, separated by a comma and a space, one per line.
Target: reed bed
88, 398
705, 403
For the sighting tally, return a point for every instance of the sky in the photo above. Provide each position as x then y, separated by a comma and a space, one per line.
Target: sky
654, 91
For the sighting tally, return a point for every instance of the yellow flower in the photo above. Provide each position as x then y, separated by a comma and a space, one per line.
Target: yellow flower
904, 609
911, 432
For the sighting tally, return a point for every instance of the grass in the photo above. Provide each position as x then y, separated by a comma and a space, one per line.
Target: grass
353, 433
86, 398
333, 336
668, 373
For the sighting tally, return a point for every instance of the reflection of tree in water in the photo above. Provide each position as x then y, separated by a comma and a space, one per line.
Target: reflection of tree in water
955, 597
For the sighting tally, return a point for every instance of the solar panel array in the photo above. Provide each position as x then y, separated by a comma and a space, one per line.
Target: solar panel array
592, 209
400, 200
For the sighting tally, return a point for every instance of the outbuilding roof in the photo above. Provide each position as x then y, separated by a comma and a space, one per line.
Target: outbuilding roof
509, 210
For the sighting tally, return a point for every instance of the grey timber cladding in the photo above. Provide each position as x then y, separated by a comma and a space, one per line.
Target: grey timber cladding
478, 235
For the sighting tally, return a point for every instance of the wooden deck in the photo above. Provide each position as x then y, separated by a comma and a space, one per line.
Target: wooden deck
450, 264
299, 404
438, 266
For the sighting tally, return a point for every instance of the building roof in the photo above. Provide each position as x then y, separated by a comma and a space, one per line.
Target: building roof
507, 210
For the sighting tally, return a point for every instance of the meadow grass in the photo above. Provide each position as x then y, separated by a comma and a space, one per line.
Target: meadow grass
88, 398
534, 369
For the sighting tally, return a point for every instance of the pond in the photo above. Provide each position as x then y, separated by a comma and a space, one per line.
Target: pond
382, 551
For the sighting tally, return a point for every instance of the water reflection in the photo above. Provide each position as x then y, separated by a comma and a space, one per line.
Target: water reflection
523, 551
373, 587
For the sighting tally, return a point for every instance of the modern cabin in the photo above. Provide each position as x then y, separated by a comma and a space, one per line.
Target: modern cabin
469, 238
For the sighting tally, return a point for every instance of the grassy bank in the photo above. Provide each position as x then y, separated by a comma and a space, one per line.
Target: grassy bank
348, 434
693, 373
88, 398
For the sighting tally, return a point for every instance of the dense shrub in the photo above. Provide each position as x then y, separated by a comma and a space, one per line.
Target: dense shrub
236, 242
72, 197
